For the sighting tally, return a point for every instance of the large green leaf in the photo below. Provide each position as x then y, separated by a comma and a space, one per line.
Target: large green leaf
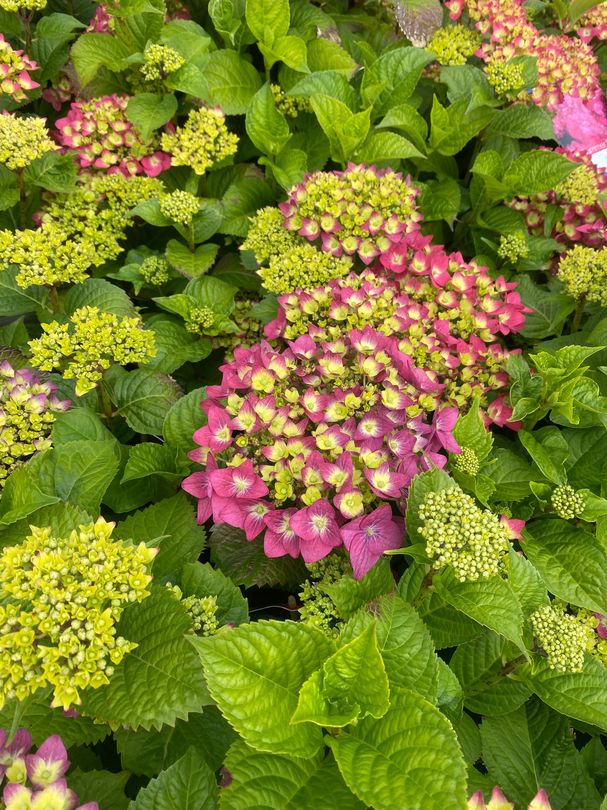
345, 130
410, 756
35, 714
281, 782
570, 561
183, 418
204, 580
161, 679
489, 601
352, 683
392, 78
266, 126
536, 171
581, 695
104, 787
143, 398
267, 19
189, 784
255, 672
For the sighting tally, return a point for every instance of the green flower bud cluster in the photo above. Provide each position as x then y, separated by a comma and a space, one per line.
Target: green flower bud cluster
79, 230
454, 44
88, 345
513, 246
202, 610
563, 638
292, 262
317, 608
180, 206
568, 503
580, 187
159, 61
154, 270
198, 319
23, 139
27, 413
22, 5
467, 462
506, 78
583, 271
203, 140
61, 598
458, 533
290, 106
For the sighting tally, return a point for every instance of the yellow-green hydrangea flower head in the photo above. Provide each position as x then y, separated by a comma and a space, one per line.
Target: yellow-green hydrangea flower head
202, 611
454, 44
583, 271
22, 140
203, 140
459, 534
467, 462
580, 187
317, 608
289, 262
90, 343
27, 412
513, 246
290, 106
180, 206
506, 78
154, 270
22, 5
159, 61
61, 598
563, 638
568, 503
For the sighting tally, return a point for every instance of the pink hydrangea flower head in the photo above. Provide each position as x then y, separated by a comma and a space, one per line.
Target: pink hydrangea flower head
15, 67
367, 537
317, 530
280, 538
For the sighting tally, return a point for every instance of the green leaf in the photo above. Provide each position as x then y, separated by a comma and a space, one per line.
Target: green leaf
190, 263
83, 470
350, 594
246, 564
52, 172
324, 54
175, 345
161, 679
14, 300
406, 118
183, 418
205, 223
104, 787
441, 199
536, 171
550, 309
345, 130
489, 601
522, 121
351, 684
326, 83
212, 293
96, 292
150, 111
470, 431
478, 666
290, 49
511, 475
541, 456
411, 753
392, 78
454, 126
142, 397
255, 672
92, 51
149, 211
204, 580
268, 19
283, 783
188, 784
36, 715
448, 627
386, 146
227, 80
149, 458
149, 752
265, 125
27, 489
570, 561
581, 695
171, 525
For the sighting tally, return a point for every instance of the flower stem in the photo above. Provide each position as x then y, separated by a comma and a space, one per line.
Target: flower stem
53, 297
105, 403
22, 199
577, 316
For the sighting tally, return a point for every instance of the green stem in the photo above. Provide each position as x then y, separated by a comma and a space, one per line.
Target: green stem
53, 297
26, 19
17, 715
105, 403
577, 317
22, 199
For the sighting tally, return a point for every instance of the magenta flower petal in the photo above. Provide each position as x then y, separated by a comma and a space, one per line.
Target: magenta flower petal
366, 538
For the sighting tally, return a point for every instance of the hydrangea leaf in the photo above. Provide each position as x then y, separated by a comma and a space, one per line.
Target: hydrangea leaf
103, 787
14, 300
151, 458
255, 673
432, 481
189, 784
161, 679
411, 753
284, 783
570, 561
352, 683
79, 424
448, 627
142, 397
183, 418
404, 642
490, 602
150, 752
97, 292
350, 594
266, 126
171, 525
62, 518
470, 431
36, 715
581, 695
203, 580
